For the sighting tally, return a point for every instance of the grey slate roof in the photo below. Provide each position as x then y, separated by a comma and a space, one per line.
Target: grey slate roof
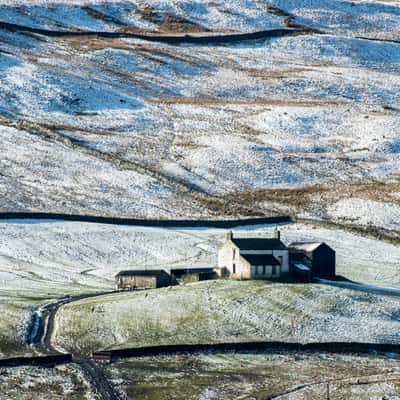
261, 259
259, 244
142, 272
306, 246
194, 270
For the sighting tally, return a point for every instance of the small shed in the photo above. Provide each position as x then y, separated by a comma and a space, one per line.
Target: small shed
188, 275
142, 279
321, 256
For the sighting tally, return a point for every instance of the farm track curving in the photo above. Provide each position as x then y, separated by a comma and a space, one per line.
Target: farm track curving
42, 337
97, 378
42, 341
373, 289
95, 375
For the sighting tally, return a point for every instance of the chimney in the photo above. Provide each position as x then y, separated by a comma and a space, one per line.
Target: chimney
277, 233
229, 235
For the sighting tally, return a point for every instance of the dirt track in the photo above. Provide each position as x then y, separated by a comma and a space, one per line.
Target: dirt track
95, 375
41, 339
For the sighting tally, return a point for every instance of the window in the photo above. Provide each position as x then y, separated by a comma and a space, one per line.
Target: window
264, 268
234, 254
273, 269
234, 268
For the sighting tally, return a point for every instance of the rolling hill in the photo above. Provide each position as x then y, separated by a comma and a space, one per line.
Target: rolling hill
122, 126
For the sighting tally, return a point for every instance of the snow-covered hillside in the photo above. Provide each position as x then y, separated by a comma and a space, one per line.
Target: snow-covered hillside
62, 258
40, 261
126, 126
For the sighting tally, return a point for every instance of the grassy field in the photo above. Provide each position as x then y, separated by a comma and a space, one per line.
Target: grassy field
42, 261
14, 319
250, 376
306, 125
60, 383
218, 311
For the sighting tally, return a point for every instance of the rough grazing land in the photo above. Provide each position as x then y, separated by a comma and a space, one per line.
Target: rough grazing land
15, 311
224, 311
59, 383
123, 126
43, 261
251, 376
306, 125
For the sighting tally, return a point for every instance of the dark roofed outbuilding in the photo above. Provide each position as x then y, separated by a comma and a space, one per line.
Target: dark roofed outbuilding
194, 270
321, 256
142, 272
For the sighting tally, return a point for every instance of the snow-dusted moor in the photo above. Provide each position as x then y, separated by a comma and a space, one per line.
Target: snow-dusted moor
140, 128
246, 152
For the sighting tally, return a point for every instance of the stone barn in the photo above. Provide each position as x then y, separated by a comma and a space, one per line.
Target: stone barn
253, 258
142, 279
322, 258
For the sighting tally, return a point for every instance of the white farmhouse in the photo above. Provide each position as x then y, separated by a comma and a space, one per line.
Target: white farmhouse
253, 258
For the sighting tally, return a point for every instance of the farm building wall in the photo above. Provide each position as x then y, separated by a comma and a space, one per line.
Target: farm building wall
145, 280
324, 262
231, 264
197, 277
265, 271
281, 255
139, 282
226, 256
235, 266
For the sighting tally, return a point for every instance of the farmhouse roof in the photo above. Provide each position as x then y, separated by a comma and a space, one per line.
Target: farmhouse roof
259, 244
261, 259
142, 272
305, 246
